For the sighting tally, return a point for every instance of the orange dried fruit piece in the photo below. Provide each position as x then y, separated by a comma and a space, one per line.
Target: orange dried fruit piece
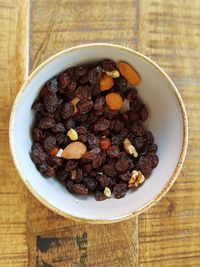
114, 101
53, 151
74, 150
129, 73
105, 143
106, 82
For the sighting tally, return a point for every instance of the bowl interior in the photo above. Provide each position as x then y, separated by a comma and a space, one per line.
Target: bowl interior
165, 121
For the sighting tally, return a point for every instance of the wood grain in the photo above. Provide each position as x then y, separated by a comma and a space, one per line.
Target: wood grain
169, 233
64, 24
13, 42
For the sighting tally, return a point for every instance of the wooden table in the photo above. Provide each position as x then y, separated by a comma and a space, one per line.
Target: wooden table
169, 33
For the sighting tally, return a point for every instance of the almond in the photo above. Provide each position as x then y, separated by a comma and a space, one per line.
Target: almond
106, 82
74, 150
129, 73
114, 101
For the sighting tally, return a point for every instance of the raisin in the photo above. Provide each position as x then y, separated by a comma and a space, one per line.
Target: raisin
118, 126
87, 168
70, 165
96, 163
49, 142
92, 118
81, 130
84, 79
148, 136
52, 85
58, 128
153, 148
55, 161
99, 103
103, 180
69, 184
101, 125
108, 65
81, 71
64, 79
67, 111
61, 139
138, 128
36, 134
154, 160
81, 117
51, 102
71, 87
145, 165
37, 106
95, 90
122, 165
37, 153
138, 143
110, 114
143, 114
80, 189
121, 84
82, 138
46, 123
125, 175
93, 140
74, 75
42, 167
70, 123
90, 183
84, 92
110, 170
119, 190
99, 196
135, 105
88, 157
94, 75
50, 172
113, 152
84, 106
130, 94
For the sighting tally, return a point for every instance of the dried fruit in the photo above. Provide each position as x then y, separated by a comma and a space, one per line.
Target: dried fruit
129, 148
106, 82
129, 73
74, 150
72, 134
114, 101
105, 143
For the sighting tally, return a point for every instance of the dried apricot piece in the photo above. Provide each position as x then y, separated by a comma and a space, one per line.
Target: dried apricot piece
105, 143
129, 73
106, 82
114, 101
53, 151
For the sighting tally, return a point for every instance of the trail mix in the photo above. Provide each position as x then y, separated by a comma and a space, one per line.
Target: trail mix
85, 136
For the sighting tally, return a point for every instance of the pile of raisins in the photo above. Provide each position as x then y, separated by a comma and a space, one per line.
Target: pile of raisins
93, 121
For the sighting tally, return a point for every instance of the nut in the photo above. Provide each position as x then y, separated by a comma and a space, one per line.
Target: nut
72, 134
136, 178
73, 175
113, 74
74, 150
107, 192
74, 103
59, 153
129, 148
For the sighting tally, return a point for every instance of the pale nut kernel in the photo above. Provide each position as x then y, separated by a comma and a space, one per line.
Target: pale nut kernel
74, 150
129, 148
113, 74
107, 192
59, 153
72, 134
136, 178
74, 103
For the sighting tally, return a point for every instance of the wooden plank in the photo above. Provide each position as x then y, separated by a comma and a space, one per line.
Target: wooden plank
169, 233
13, 40
53, 240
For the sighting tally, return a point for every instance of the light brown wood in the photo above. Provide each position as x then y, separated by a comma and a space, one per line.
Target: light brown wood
13, 41
169, 233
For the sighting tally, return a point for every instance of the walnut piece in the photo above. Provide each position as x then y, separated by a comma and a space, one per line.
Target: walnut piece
129, 148
113, 74
72, 134
136, 178
107, 192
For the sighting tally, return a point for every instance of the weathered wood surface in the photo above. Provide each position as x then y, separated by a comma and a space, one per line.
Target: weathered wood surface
166, 31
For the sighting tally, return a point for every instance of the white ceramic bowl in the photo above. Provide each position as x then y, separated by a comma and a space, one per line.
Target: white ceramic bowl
167, 121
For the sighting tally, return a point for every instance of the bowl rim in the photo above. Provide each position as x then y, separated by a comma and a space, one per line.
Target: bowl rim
171, 179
